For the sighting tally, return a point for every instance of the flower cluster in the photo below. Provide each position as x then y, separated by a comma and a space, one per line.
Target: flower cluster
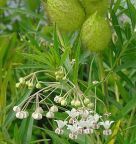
60, 74
82, 118
83, 121
37, 114
29, 81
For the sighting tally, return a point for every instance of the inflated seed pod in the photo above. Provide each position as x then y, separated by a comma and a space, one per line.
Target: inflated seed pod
67, 14
92, 6
95, 33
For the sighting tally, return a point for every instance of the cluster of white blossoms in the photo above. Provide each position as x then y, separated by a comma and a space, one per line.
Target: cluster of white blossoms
83, 121
37, 114
82, 118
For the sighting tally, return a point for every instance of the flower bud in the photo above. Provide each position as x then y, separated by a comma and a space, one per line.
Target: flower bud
59, 131
22, 80
30, 85
36, 115
17, 85
77, 103
54, 108
38, 85
56, 99
20, 115
72, 136
16, 109
50, 114
90, 105
107, 132
63, 102
73, 102
86, 101
25, 113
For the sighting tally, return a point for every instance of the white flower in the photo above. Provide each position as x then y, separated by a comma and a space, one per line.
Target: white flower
59, 131
54, 108
73, 113
50, 114
88, 123
56, 99
20, 115
16, 109
73, 128
95, 118
88, 131
72, 120
25, 113
107, 132
73, 136
93, 121
61, 123
84, 113
82, 124
36, 115
63, 102
106, 124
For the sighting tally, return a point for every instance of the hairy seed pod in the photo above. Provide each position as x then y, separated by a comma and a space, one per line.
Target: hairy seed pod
67, 14
92, 6
95, 33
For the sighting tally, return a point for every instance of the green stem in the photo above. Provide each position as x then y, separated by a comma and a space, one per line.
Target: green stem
102, 76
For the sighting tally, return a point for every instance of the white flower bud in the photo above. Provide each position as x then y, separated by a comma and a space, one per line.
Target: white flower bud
22, 80
37, 116
86, 101
58, 77
56, 73
17, 85
107, 132
77, 103
30, 85
25, 113
60, 73
72, 136
84, 113
16, 109
56, 99
54, 108
64, 78
50, 114
38, 86
27, 82
59, 131
90, 105
88, 131
20, 115
63, 102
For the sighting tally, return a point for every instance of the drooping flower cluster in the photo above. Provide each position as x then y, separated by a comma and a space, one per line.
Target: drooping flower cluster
83, 121
82, 118
37, 114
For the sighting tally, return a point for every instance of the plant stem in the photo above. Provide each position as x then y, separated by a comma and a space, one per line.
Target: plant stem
102, 76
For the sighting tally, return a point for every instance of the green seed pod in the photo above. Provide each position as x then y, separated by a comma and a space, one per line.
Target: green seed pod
92, 6
67, 14
95, 33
